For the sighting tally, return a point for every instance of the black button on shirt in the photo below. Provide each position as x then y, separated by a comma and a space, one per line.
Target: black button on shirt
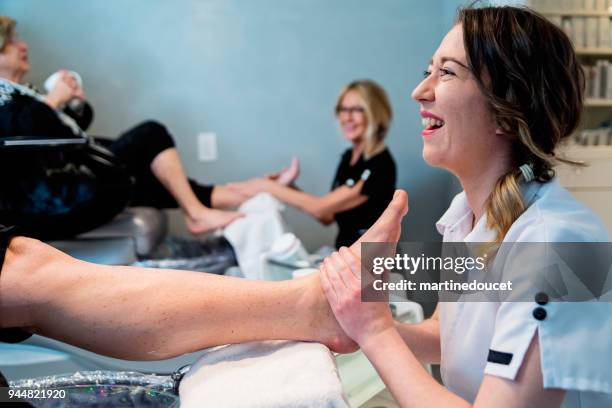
541, 298
539, 313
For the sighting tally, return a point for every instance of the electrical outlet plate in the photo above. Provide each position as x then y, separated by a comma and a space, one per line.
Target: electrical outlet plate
207, 146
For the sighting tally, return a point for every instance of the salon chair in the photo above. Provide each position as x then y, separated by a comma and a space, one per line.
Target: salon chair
130, 235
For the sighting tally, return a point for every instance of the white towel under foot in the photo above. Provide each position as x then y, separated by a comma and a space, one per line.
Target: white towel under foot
264, 375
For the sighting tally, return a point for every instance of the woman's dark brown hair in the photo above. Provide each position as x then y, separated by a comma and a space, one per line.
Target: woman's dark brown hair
527, 69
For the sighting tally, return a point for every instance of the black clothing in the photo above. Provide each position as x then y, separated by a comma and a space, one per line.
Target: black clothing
137, 148
379, 188
11, 335
23, 115
54, 203
59, 192
82, 116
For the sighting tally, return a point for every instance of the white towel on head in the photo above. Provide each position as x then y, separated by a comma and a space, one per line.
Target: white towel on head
264, 375
253, 235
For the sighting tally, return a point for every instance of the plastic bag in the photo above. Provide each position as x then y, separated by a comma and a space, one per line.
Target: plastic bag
88, 389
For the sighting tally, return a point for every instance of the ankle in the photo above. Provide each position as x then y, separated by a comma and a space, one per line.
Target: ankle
22, 274
310, 302
196, 212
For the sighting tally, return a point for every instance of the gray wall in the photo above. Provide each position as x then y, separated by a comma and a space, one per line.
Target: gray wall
262, 74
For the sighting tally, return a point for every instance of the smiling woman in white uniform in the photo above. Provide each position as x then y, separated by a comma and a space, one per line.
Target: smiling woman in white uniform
502, 90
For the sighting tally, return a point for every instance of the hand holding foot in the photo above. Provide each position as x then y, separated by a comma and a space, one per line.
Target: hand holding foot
320, 318
208, 219
341, 278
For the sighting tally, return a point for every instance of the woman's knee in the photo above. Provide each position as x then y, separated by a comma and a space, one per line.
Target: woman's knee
152, 126
146, 139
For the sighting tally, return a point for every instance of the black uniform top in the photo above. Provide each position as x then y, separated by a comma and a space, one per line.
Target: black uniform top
379, 188
8, 335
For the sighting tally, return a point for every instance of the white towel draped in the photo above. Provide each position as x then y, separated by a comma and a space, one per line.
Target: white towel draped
253, 235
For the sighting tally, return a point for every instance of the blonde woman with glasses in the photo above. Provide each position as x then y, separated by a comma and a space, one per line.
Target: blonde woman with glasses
365, 178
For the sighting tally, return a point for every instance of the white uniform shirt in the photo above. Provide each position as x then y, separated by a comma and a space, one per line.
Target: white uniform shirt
479, 338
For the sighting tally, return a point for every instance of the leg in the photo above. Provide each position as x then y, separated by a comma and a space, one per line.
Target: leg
138, 313
228, 197
149, 154
167, 168
225, 198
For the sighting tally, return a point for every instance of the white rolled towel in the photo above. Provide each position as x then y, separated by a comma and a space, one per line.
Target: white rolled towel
253, 235
264, 375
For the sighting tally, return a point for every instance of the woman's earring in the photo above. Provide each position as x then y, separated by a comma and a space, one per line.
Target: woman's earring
527, 171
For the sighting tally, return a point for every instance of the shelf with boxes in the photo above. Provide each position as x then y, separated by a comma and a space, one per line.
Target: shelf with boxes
601, 136
591, 184
578, 7
576, 13
594, 51
598, 103
588, 24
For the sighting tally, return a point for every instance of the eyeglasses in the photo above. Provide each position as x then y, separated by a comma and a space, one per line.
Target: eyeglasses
350, 110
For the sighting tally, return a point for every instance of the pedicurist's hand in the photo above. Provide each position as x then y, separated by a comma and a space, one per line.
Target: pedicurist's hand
341, 282
66, 88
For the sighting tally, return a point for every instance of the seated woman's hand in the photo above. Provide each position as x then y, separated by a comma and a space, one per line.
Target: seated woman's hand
341, 282
66, 88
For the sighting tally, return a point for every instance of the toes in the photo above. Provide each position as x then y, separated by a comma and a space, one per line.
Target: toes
395, 211
399, 204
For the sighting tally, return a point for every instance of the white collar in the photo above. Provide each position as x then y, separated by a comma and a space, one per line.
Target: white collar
457, 210
456, 222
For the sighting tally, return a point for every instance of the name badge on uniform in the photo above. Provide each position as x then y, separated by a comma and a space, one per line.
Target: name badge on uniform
364, 176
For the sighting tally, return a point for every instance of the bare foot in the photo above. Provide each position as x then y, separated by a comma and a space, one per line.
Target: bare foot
288, 175
388, 227
209, 220
323, 326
